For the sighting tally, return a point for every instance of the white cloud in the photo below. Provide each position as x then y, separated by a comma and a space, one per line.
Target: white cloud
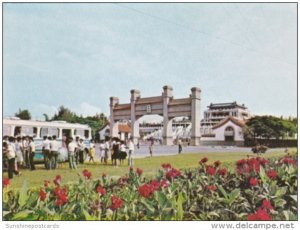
86, 109
38, 110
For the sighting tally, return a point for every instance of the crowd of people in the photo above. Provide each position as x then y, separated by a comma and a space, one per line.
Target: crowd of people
19, 152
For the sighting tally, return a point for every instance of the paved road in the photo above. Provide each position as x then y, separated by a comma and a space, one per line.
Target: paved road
160, 150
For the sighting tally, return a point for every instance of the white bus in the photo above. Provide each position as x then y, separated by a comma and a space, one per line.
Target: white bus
14, 126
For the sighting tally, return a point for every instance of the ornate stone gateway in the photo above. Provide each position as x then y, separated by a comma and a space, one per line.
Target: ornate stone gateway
164, 105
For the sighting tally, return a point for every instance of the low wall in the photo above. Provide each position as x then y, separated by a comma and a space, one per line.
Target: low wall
273, 143
222, 143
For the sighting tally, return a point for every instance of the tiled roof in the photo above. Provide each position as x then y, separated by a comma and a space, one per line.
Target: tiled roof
180, 101
148, 100
122, 106
230, 104
124, 128
232, 119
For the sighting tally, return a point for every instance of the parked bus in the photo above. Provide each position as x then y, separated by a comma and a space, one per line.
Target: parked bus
14, 126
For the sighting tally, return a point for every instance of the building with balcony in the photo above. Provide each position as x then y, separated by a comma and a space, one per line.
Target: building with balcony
223, 123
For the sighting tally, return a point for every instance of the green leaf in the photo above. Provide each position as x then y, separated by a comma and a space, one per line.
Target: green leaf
87, 215
223, 191
148, 206
294, 197
23, 196
161, 198
262, 175
234, 195
179, 207
23, 215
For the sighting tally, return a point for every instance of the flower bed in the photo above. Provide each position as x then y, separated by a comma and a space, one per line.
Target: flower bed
258, 190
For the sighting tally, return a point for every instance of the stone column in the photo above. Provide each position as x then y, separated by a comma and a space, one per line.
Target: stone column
114, 129
195, 116
135, 127
167, 129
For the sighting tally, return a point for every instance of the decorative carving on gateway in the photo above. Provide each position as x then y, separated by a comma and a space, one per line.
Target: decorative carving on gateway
165, 105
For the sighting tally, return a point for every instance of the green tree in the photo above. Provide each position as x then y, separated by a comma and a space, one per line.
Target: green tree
269, 127
23, 114
95, 122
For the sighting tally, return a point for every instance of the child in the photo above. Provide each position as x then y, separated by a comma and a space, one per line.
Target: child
92, 151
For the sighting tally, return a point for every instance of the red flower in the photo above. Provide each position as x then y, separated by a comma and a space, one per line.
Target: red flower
203, 160
116, 202
139, 171
241, 162
164, 184
101, 190
222, 172
146, 190
57, 180
46, 183
288, 160
87, 174
43, 195
261, 214
155, 185
211, 188
217, 164
5, 182
61, 196
166, 166
253, 181
267, 205
272, 174
172, 173
210, 170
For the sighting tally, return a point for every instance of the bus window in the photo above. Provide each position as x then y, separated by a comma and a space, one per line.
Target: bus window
67, 133
6, 130
27, 130
86, 134
44, 132
79, 132
35, 131
17, 130
53, 131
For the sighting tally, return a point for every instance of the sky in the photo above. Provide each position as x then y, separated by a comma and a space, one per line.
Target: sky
79, 55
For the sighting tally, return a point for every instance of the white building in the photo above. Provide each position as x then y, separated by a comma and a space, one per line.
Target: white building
222, 124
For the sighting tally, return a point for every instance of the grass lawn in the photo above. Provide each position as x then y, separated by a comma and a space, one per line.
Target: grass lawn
149, 165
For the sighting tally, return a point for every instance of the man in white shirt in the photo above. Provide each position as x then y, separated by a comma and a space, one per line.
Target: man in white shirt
130, 153
80, 151
72, 146
11, 156
106, 149
53, 152
46, 152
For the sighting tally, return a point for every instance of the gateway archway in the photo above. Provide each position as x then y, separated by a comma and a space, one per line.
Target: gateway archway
164, 105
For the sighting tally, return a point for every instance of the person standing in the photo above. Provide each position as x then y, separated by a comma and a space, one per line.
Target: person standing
46, 152
19, 154
106, 150
11, 156
130, 152
115, 153
102, 152
92, 151
25, 150
179, 146
72, 146
31, 153
122, 152
151, 149
80, 150
54, 152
